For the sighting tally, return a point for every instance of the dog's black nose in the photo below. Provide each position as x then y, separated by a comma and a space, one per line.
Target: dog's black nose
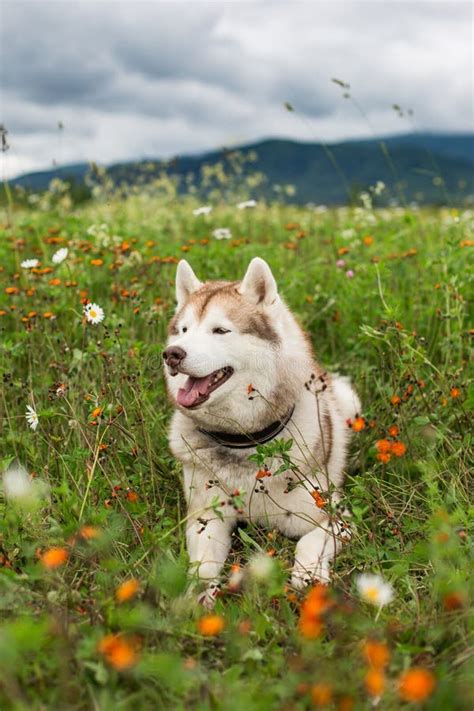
173, 356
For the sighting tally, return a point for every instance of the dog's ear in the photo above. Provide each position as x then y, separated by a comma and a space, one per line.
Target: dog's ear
186, 282
259, 285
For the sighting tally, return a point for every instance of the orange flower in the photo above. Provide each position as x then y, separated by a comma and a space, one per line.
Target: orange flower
343, 250
127, 590
383, 446
416, 684
316, 601
10, 290
398, 449
384, 457
346, 703
455, 392
262, 473
321, 694
97, 262
376, 653
395, 400
374, 682
314, 605
48, 314
119, 652
290, 245
96, 412
393, 431
190, 663
250, 389
54, 282
54, 557
211, 625
89, 532
132, 496
368, 240
320, 500
358, 424
453, 601
244, 627
302, 688
309, 627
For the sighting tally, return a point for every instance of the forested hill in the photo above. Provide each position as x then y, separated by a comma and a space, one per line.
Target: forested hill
428, 168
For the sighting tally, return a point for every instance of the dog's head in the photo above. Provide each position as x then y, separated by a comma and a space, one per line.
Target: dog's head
225, 339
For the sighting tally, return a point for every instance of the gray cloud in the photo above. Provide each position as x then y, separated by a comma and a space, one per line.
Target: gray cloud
132, 79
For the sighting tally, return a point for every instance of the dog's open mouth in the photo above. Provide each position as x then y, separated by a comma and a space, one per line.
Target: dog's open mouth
197, 390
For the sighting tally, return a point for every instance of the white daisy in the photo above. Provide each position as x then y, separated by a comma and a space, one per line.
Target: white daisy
261, 566
246, 204
20, 488
374, 589
16, 483
203, 210
222, 233
349, 233
30, 263
60, 255
94, 313
31, 417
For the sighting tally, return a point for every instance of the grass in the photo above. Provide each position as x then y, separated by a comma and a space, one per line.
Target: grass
111, 501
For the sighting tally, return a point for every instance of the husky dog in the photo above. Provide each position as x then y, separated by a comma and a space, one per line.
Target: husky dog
241, 372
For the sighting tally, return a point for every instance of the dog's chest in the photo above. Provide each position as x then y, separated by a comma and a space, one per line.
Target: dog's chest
240, 489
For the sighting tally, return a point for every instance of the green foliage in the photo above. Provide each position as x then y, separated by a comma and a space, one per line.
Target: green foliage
393, 317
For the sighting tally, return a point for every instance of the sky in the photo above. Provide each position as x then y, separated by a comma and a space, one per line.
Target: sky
132, 79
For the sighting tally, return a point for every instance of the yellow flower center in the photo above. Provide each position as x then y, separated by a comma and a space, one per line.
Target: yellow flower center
372, 594
92, 313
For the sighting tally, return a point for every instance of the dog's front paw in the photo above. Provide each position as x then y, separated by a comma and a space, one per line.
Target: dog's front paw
302, 577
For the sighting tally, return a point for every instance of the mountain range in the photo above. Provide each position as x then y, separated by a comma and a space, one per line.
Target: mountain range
429, 168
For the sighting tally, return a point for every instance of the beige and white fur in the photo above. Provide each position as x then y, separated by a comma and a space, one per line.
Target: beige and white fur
267, 350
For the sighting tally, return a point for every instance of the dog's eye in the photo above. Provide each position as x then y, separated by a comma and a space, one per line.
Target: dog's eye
184, 329
220, 331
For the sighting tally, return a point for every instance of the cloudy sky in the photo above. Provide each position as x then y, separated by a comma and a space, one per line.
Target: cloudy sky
139, 79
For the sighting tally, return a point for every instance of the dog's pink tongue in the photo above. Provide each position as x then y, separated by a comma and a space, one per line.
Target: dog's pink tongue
193, 389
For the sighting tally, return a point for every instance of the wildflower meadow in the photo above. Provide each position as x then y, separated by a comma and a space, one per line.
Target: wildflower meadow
97, 611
